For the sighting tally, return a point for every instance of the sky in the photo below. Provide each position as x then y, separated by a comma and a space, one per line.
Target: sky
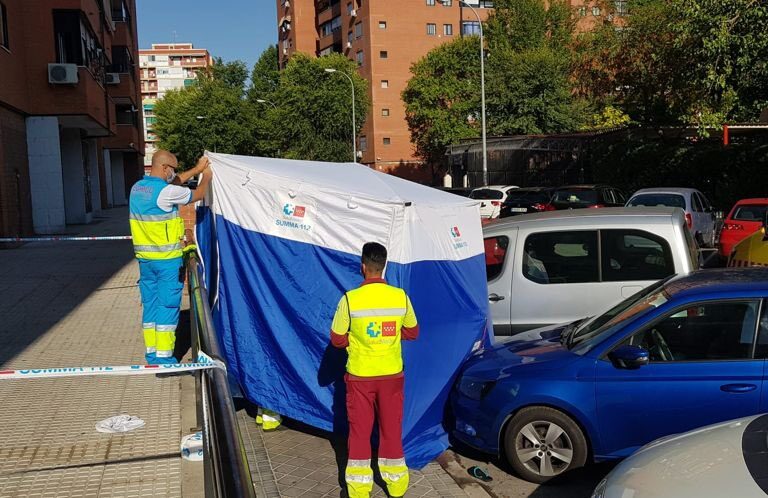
230, 29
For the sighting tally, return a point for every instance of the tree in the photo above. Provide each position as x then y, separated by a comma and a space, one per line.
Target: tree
313, 118
442, 99
210, 115
265, 77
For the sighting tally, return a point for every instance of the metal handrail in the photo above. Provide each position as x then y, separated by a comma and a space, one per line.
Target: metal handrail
227, 474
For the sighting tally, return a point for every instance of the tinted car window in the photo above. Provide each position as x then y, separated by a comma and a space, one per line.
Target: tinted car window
761, 349
702, 332
495, 253
696, 203
576, 197
486, 193
561, 257
635, 255
608, 196
528, 197
668, 200
620, 197
748, 212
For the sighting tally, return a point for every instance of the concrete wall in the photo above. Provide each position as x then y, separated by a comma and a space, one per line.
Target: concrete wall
45, 172
74, 177
108, 178
93, 164
118, 179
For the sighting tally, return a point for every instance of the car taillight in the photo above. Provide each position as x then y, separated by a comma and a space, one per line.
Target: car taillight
496, 203
733, 226
543, 207
688, 220
597, 206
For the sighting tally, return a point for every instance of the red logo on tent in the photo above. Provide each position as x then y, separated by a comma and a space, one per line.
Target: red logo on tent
299, 211
389, 329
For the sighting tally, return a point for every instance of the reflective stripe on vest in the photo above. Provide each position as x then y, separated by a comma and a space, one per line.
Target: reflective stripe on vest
376, 314
156, 233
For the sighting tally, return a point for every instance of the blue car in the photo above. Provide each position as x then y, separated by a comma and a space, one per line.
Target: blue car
683, 353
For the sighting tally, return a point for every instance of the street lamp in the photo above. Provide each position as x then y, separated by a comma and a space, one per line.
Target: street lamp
354, 135
201, 118
482, 89
264, 101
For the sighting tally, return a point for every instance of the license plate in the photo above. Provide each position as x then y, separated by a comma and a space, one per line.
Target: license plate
519, 210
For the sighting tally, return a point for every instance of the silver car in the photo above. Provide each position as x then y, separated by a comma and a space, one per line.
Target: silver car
699, 214
561, 266
721, 460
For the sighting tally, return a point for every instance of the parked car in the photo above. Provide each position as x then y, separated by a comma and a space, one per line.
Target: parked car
527, 200
699, 214
559, 266
752, 251
492, 198
743, 220
725, 459
686, 352
587, 196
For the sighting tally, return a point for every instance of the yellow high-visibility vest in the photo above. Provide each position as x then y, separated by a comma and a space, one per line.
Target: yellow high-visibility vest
156, 233
376, 313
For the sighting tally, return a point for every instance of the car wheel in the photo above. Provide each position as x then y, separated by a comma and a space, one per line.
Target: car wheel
542, 443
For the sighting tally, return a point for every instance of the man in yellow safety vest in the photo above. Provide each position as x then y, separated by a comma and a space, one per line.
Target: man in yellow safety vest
157, 231
370, 322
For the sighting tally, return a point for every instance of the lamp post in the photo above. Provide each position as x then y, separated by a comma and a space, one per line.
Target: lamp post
354, 135
482, 91
201, 118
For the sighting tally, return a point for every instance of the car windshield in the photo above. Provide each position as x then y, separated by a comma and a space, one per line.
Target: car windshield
527, 196
668, 200
576, 196
634, 306
486, 193
748, 212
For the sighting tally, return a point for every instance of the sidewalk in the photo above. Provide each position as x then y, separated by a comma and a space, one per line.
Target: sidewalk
77, 304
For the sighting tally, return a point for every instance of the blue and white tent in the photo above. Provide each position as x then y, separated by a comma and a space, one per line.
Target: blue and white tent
281, 242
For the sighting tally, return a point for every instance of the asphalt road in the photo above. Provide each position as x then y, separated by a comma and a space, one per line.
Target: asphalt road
577, 484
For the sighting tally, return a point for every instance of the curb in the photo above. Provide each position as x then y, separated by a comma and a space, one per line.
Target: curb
453, 468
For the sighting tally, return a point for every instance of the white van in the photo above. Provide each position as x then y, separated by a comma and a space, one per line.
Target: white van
561, 266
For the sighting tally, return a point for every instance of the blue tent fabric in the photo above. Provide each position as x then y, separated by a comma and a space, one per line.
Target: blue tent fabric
275, 298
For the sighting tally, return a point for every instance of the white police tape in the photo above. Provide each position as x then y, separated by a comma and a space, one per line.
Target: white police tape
204, 362
64, 238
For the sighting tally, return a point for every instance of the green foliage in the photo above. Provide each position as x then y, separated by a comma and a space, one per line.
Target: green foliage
313, 119
265, 77
441, 95
609, 117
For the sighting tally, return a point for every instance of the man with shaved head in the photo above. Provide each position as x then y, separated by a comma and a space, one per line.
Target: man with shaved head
157, 231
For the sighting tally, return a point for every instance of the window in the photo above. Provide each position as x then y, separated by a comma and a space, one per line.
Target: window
469, 28
385, 112
349, 37
668, 200
707, 331
363, 143
634, 255
126, 115
386, 141
4, 26
619, 196
448, 29
384, 83
596, 11
359, 57
383, 54
382, 24
349, 9
431, 29
151, 58
561, 257
750, 212
447, 3
696, 203
331, 26
495, 253
582, 11
622, 9
431, 3
358, 30
75, 42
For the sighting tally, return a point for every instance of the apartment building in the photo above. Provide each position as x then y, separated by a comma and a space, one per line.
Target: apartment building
385, 38
70, 140
164, 67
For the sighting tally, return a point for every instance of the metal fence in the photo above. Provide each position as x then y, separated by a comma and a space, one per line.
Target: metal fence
227, 474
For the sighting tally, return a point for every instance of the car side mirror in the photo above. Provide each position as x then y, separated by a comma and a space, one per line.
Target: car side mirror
629, 357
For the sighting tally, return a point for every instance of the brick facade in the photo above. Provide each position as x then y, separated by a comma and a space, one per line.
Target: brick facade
15, 201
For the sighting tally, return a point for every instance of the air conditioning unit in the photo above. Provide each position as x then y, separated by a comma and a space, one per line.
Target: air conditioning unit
285, 51
287, 4
353, 13
62, 74
112, 79
349, 44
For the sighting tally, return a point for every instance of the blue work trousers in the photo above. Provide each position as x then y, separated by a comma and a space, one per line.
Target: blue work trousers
161, 283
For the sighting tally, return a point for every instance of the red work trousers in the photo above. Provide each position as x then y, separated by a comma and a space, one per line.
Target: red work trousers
382, 399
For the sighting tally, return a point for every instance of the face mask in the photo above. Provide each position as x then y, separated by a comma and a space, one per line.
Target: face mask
170, 177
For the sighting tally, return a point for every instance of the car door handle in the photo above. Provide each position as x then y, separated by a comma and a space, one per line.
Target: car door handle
738, 388
495, 297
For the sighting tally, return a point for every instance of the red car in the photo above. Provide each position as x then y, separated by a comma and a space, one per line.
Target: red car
745, 218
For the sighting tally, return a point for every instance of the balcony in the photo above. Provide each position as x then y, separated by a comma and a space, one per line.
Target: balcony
123, 34
125, 91
126, 139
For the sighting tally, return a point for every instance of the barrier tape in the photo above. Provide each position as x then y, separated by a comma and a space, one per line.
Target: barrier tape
67, 239
204, 362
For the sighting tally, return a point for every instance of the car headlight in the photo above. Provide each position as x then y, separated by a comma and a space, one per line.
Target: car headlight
599, 491
475, 389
